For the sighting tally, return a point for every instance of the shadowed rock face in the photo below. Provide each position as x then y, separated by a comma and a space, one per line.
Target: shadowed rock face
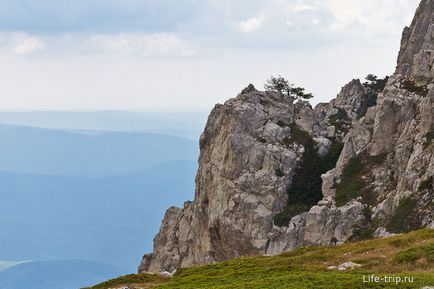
249, 155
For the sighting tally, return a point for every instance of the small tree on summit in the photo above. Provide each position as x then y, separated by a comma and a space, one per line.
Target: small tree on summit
278, 84
285, 89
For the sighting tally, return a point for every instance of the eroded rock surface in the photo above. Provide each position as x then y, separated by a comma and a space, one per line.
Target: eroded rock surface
249, 155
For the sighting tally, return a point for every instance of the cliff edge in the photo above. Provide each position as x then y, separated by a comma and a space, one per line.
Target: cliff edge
253, 195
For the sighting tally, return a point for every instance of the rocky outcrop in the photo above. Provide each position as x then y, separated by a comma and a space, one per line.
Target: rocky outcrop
250, 152
248, 157
416, 56
246, 162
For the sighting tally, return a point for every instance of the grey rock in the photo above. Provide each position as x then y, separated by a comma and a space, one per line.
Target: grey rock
248, 158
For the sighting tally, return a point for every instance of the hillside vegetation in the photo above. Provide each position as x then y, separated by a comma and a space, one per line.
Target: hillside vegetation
408, 255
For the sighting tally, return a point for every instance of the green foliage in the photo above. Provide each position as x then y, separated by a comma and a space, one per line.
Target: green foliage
279, 173
299, 93
351, 181
301, 137
284, 88
374, 86
415, 254
291, 210
364, 230
405, 217
354, 182
281, 123
277, 84
426, 184
339, 117
262, 140
378, 159
412, 87
429, 139
305, 190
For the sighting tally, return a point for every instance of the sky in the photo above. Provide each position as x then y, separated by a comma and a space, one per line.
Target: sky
187, 55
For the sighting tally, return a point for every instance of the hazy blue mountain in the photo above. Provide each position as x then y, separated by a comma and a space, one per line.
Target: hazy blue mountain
109, 219
47, 151
188, 124
7, 264
70, 274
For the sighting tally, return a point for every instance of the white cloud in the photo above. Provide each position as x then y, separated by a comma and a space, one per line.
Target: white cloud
109, 71
298, 8
372, 15
144, 44
251, 24
26, 44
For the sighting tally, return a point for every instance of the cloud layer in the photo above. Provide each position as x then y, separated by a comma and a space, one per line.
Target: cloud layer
114, 54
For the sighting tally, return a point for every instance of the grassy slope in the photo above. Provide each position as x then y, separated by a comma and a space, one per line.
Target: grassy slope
409, 255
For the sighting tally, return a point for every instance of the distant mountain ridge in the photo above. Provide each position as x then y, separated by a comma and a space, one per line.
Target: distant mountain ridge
48, 151
64, 274
63, 217
188, 124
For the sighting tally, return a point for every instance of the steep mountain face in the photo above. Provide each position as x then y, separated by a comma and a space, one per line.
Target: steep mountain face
255, 146
416, 56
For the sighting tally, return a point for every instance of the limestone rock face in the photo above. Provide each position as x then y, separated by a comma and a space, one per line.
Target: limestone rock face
246, 162
352, 98
416, 56
249, 154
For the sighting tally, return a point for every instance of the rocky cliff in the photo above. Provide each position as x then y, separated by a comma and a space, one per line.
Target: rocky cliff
257, 148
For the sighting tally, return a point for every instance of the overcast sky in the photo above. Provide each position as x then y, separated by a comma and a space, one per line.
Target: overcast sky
187, 54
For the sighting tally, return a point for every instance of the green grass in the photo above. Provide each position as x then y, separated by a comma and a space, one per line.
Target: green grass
416, 254
306, 267
130, 279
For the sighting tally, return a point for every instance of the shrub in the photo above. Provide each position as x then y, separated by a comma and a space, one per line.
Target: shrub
412, 87
305, 190
429, 139
378, 159
354, 181
351, 181
301, 137
279, 173
405, 217
426, 184
364, 229
374, 86
281, 123
340, 116
292, 210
